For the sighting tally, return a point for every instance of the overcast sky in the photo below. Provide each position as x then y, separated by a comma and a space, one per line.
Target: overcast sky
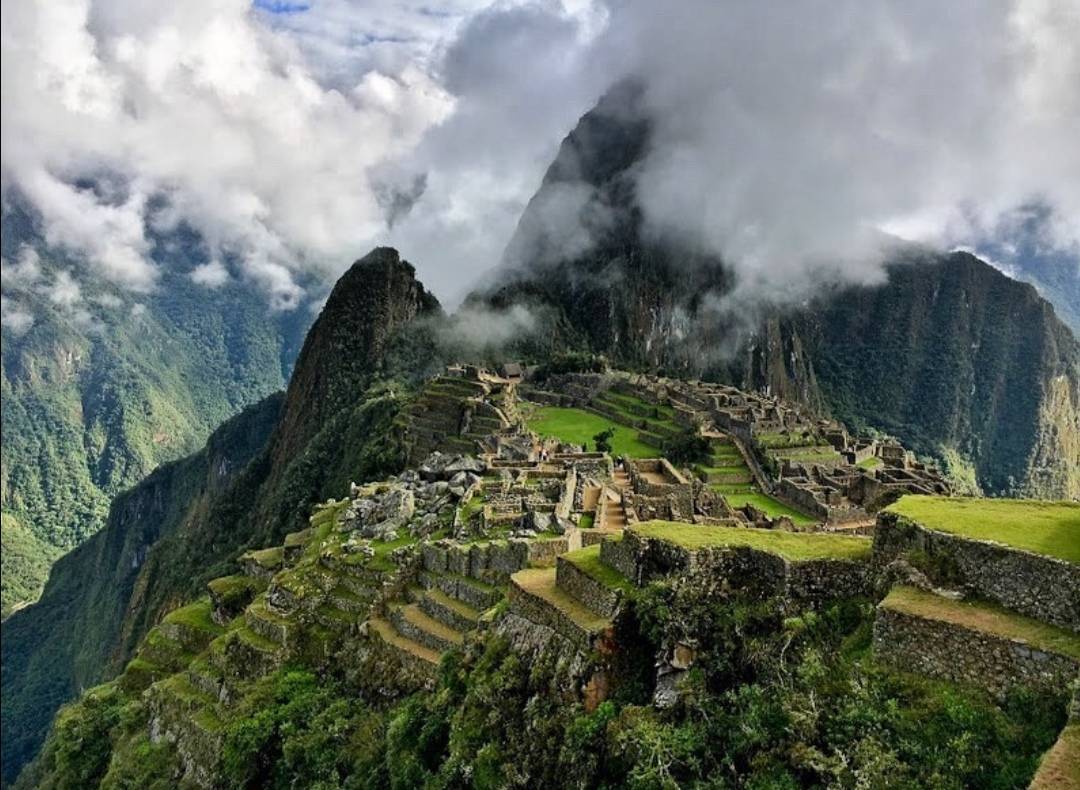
294, 136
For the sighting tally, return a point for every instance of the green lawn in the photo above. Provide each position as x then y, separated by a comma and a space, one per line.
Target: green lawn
579, 427
808, 456
770, 506
789, 545
1050, 528
984, 616
587, 560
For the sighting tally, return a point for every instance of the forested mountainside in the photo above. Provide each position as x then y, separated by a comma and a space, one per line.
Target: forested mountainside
101, 386
963, 363
255, 481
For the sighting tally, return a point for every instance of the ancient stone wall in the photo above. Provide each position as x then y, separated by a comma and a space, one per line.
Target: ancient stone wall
586, 590
756, 572
817, 581
951, 652
490, 562
619, 554
1045, 588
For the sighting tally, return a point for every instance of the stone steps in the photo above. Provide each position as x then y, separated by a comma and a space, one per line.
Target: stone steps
449, 611
408, 648
477, 594
294, 544
245, 653
200, 675
334, 618
413, 623
535, 596
230, 595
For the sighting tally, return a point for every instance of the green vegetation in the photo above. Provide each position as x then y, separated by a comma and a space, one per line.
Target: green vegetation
1050, 528
94, 400
587, 560
577, 426
195, 615
771, 702
24, 564
792, 546
689, 448
873, 462
984, 616
766, 504
360, 366
602, 440
587, 520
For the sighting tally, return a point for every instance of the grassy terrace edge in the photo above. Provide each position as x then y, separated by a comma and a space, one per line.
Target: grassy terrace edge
1048, 528
985, 617
792, 546
587, 560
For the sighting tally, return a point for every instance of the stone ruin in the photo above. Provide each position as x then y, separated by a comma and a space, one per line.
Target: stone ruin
418, 501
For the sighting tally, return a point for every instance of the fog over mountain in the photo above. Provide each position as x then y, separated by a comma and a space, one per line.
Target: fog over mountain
293, 136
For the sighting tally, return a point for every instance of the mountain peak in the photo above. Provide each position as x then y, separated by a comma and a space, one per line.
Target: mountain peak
374, 298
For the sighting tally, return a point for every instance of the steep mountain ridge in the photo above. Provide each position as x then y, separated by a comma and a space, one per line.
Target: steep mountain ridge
962, 361
167, 536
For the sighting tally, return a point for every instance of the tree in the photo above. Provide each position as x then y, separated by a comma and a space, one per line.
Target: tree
603, 440
689, 447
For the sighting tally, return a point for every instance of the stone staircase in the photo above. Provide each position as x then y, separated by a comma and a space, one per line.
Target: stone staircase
456, 586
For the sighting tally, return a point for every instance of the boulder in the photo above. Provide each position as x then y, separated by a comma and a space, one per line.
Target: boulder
465, 463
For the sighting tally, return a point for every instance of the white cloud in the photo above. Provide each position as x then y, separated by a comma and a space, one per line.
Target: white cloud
213, 107
25, 272
64, 290
211, 274
783, 138
13, 318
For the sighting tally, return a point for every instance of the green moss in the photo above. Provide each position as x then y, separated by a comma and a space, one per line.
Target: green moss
792, 546
984, 616
196, 615
1050, 528
383, 549
587, 560
266, 558
587, 520
577, 426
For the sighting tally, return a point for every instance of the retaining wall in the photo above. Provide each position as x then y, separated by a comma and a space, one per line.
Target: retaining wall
951, 652
1045, 588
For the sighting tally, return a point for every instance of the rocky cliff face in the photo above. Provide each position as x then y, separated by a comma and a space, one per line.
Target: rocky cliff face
950, 355
255, 481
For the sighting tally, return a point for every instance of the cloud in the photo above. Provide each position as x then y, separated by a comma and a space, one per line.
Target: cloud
294, 137
25, 272
790, 142
118, 118
14, 319
211, 274
476, 329
64, 290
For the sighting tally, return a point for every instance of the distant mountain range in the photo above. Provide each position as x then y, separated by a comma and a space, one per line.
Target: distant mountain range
956, 359
950, 355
